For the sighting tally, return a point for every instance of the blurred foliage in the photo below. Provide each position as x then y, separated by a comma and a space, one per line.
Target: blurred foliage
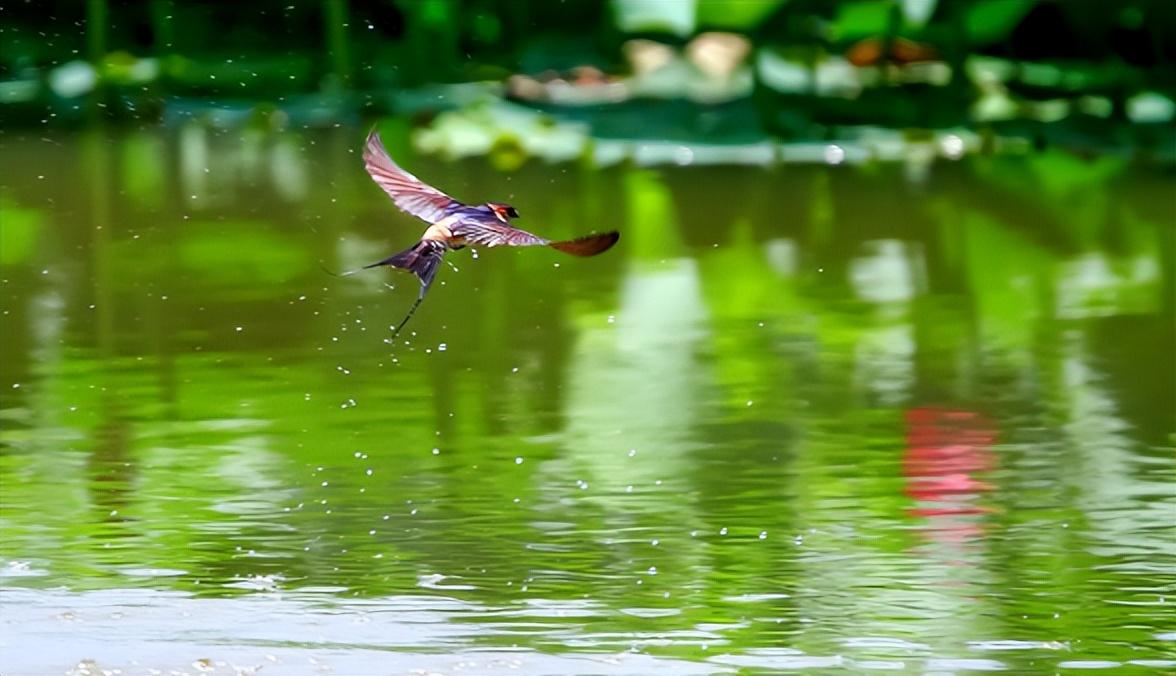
1072, 73
989, 22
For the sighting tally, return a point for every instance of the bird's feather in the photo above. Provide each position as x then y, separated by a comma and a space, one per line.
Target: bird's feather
589, 245
409, 193
492, 234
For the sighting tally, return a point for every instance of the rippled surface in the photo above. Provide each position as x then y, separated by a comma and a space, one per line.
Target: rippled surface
883, 418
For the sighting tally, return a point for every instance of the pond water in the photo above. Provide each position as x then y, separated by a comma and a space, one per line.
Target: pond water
879, 417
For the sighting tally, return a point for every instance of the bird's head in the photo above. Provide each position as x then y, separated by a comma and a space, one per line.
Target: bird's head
504, 212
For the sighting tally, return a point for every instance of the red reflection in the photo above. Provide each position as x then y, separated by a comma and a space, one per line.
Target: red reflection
945, 451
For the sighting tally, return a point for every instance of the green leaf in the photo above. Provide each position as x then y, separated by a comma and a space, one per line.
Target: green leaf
860, 20
735, 14
989, 22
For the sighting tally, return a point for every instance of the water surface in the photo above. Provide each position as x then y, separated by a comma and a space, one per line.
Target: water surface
879, 417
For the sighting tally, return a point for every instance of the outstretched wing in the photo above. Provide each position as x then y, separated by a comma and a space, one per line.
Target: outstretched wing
587, 246
490, 234
411, 194
487, 234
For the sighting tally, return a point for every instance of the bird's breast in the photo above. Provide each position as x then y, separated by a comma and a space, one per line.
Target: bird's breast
441, 231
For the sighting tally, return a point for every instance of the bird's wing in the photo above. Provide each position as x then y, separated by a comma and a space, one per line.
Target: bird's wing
587, 246
411, 194
487, 234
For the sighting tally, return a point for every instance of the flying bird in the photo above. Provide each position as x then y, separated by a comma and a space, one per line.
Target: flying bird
452, 224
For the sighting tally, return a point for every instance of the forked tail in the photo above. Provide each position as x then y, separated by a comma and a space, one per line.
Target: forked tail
421, 259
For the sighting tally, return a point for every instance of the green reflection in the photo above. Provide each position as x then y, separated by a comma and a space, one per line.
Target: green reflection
19, 232
708, 437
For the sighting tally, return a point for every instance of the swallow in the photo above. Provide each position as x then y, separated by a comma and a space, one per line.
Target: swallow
452, 224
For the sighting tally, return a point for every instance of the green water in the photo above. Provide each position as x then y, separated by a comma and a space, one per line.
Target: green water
883, 417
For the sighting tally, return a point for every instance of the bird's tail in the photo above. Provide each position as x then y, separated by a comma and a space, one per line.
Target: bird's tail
587, 246
421, 259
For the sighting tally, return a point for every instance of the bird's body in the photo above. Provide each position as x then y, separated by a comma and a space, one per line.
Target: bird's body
452, 224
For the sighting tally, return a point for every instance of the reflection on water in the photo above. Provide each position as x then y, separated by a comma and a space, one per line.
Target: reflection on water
802, 417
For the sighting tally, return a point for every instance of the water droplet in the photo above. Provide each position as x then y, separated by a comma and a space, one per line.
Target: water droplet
519, 460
